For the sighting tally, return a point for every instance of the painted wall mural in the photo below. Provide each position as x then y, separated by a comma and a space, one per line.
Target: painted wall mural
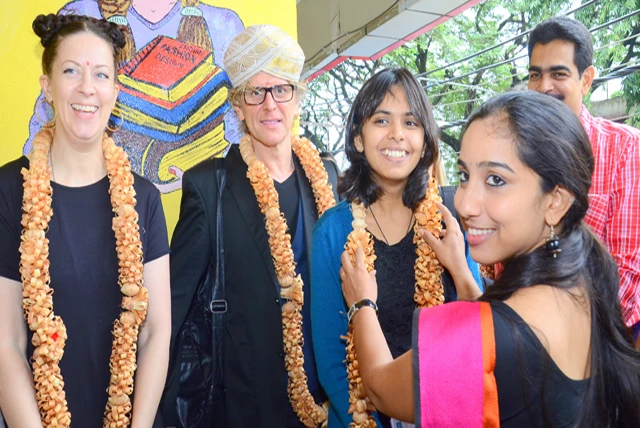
172, 111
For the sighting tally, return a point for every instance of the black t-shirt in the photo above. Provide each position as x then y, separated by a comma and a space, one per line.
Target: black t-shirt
84, 275
289, 198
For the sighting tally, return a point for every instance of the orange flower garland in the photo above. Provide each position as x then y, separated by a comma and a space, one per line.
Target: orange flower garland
428, 289
131, 279
310, 413
488, 271
49, 331
359, 404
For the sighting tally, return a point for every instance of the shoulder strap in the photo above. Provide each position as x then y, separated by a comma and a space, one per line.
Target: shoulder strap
454, 345
218, 305
218, 302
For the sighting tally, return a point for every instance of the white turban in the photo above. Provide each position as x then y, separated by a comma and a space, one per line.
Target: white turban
263, 48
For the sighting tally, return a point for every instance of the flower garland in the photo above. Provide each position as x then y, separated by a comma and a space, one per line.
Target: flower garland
49, 332
488, 271
360, 406
310, 413
428, 289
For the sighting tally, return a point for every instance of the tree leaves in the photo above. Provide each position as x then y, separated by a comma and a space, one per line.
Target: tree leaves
455, 90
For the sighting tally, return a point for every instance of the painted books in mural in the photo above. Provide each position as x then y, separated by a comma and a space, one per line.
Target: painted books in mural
158, 160
166, 68
171, 90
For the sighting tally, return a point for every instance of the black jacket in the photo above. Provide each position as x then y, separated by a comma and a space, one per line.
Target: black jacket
255, 376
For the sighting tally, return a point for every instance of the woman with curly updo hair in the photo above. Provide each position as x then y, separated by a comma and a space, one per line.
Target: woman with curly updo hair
83, 255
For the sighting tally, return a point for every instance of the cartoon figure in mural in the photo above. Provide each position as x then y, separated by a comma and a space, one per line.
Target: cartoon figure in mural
172, 111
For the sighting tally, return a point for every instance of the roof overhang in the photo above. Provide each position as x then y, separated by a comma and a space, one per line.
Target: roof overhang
331, 31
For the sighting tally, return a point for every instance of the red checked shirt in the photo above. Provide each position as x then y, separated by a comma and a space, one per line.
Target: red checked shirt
614, 202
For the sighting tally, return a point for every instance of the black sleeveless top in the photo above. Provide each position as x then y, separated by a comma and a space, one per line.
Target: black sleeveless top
532, 390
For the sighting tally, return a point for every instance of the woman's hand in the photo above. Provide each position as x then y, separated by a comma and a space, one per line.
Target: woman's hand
357, 283
449, 249
450, 252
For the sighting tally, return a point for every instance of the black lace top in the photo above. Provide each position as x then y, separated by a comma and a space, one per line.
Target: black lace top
396, 280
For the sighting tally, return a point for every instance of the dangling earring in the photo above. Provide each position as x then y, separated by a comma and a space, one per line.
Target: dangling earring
52, 122
118, 127
553, 243
423, 152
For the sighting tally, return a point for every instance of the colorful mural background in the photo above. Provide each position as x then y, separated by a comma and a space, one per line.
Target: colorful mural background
172, 111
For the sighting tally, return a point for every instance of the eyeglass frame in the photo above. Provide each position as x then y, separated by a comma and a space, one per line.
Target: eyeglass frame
268, 90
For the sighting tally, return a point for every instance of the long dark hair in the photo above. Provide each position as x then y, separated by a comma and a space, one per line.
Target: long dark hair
550, 140
358, 182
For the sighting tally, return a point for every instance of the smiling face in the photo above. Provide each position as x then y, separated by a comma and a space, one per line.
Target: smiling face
392, 139
499, 200
552, 71
82, 87
268, 123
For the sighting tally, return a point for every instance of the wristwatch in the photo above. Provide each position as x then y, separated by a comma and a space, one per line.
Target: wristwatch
358, 305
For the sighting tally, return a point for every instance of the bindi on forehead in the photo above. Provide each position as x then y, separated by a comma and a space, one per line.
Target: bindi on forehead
87, 63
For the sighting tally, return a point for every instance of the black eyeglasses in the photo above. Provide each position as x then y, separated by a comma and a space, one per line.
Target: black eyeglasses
280, 93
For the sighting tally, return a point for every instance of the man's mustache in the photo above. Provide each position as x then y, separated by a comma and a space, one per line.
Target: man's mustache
557, 96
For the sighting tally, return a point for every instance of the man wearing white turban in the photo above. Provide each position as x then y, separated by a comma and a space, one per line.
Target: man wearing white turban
276, 188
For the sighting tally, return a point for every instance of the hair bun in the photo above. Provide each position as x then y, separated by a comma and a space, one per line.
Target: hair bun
116, 34
45, 26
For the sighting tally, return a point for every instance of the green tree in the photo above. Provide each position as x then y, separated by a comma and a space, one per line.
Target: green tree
328, 100
617, 46
459, 71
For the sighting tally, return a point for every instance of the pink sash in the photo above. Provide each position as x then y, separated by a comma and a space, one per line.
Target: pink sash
455, 358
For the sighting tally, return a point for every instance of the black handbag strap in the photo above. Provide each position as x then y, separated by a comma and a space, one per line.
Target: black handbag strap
218, 304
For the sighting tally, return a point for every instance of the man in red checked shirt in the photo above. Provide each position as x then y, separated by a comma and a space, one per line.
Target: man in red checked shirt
560, 65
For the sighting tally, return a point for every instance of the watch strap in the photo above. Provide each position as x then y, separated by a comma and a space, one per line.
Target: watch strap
359, 305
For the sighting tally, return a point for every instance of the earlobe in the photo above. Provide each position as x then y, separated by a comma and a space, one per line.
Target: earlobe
297, 110
587, 79
560, 202
44, 84
238, 111
115, 98
357, 142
